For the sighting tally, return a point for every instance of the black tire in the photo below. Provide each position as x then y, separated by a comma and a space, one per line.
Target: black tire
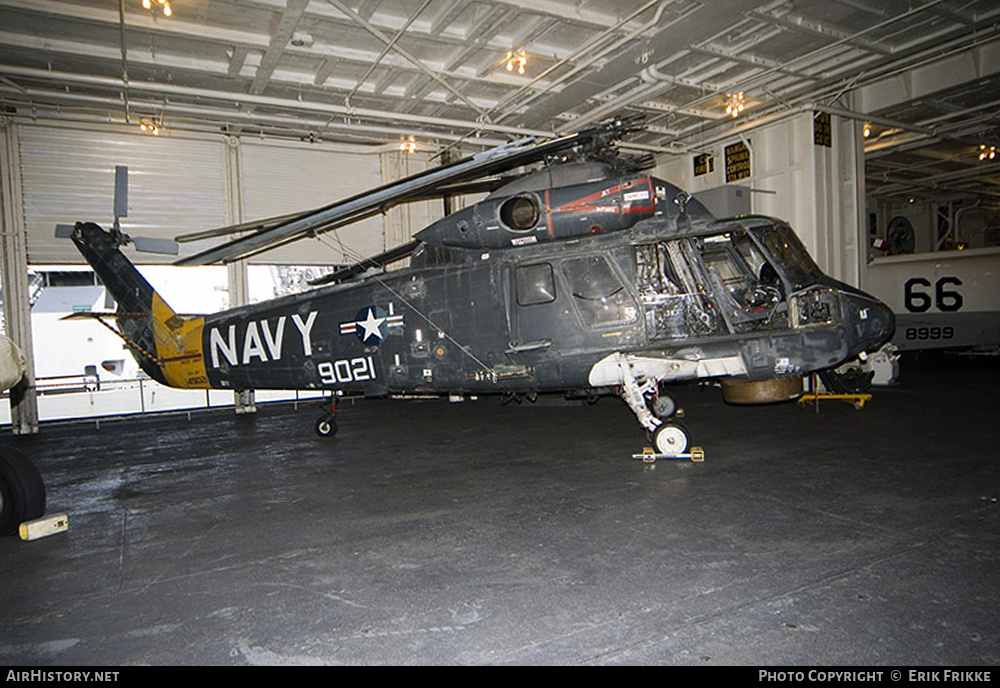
22, 492
665, 407
326, 426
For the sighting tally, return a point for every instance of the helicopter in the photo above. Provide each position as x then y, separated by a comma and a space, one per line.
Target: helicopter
585, 276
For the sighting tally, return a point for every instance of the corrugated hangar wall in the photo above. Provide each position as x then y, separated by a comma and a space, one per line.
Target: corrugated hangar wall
68, 175
180, 183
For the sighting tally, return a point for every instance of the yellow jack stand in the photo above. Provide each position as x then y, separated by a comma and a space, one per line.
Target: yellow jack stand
649, 455
814, 395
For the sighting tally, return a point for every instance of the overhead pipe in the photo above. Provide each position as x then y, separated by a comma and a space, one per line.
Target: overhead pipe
385, 51
256, 118
204, 116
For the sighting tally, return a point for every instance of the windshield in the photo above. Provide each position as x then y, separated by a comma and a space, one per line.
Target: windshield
788, 254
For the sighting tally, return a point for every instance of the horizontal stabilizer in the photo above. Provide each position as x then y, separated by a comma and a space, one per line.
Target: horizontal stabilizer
91, 315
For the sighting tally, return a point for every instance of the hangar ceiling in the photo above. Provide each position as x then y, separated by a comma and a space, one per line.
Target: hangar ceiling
924, 73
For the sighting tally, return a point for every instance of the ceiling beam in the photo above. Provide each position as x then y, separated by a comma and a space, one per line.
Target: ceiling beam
388, 46
276, 46
930, 78
370, 28
805, 26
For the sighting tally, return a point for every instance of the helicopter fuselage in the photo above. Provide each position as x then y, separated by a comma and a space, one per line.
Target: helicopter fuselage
679, 298
571, 279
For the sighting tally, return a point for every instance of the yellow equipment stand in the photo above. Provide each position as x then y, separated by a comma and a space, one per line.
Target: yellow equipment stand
814, 395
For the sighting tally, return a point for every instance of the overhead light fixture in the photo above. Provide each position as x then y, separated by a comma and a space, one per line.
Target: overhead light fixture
866, 130
150, 127
735, 103
987, 153
163, 4
408, 145
516, 58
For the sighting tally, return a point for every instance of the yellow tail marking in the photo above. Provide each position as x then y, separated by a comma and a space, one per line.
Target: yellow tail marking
178, 346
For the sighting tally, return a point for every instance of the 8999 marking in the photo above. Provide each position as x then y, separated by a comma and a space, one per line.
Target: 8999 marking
922, 333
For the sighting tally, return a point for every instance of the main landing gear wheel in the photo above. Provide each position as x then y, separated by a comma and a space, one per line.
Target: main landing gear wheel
22, 492
326, 426
667, 436
670, 438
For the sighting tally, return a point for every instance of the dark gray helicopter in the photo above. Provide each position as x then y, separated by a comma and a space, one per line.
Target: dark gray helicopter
586, 276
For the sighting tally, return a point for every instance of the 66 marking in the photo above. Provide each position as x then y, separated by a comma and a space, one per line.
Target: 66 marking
346, 370
946, 300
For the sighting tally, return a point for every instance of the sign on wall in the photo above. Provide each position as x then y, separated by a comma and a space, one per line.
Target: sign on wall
703, 164
737, 161
822, 129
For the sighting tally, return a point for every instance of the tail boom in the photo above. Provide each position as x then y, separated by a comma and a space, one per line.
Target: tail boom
167, 346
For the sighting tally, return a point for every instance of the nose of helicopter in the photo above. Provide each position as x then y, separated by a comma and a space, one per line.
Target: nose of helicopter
872, 323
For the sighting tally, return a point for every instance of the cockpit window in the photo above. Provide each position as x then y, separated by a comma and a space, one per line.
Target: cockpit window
748, 249
731, 271
745, 285
789, 253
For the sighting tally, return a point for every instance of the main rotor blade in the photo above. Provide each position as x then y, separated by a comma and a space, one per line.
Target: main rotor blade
479, 186
378, 261
493, 161
251, 226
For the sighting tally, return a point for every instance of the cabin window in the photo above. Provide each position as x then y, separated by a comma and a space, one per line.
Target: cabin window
598, 292
535, 284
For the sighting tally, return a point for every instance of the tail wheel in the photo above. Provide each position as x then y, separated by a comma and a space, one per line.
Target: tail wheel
670, 438
326, 426
22, 492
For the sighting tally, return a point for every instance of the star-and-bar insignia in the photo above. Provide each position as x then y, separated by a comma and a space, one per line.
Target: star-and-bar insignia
371, 322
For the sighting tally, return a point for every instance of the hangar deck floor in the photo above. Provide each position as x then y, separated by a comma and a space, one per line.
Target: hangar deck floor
436, 533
